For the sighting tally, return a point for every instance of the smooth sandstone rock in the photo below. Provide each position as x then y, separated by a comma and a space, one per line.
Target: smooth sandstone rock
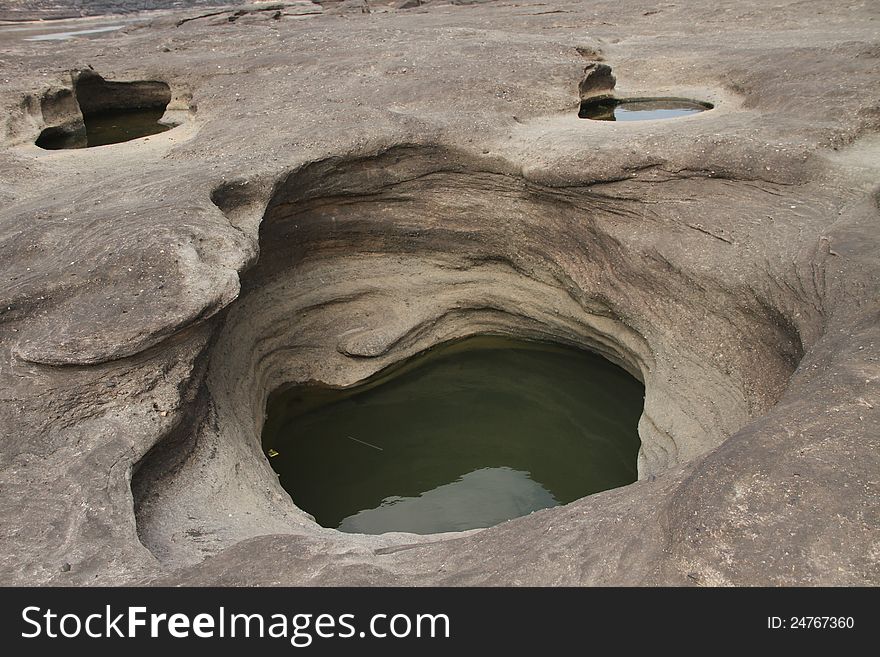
347, 191
598, 82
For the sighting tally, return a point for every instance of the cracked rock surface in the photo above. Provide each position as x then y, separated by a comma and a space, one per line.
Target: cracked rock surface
347, 189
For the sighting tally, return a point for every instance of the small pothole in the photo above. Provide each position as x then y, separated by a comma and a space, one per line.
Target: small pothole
640, 109
465, 435
99, 112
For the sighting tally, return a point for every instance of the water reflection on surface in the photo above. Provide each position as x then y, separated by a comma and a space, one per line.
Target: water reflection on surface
641, 109
465, 435
481, 498
64, 36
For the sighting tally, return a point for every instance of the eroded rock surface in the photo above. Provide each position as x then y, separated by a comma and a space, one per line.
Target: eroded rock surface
349, 188
598, 82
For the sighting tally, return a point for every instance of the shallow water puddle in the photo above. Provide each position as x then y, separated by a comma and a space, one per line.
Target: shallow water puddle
106, 128
465, 435
64, 36
641, 109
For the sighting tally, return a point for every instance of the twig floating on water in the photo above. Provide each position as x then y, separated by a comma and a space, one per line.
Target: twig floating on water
366, 443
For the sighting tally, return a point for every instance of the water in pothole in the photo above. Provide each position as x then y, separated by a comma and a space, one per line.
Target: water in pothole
647, 109
465, 435
106, 128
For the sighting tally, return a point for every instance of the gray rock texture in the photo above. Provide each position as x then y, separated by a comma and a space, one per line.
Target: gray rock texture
598, 81
28, 10
347, 189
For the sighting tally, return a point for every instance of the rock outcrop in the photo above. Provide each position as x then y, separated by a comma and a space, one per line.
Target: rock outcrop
345, 192
598, 82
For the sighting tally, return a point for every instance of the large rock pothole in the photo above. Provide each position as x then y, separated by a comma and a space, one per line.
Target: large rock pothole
367, 261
